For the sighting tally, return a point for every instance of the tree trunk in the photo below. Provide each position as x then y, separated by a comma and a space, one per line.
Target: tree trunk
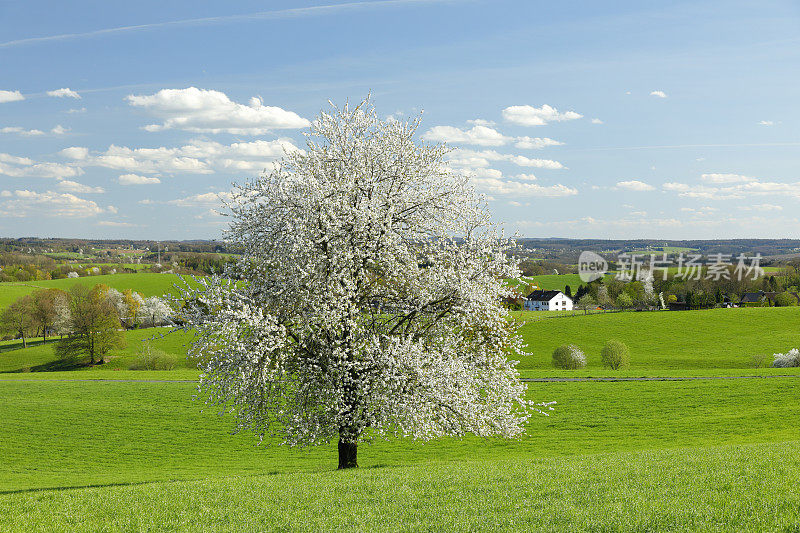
24, 344
348, 452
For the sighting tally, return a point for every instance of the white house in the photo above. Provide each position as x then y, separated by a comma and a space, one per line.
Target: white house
548, 301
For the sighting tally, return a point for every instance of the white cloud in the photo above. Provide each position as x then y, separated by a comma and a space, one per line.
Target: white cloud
596, 121
59, 130
197, 157
202, 200
536, 143
134, 179
25, 203
8, 158
64, 92
75, 152
734, 187
659, 94
79, 188
23, 167
766, 123
527, 115
526, 177
115, 224
10, 96
77, 110
725, 178
479, 135
497, 185
471, 158
635, 185
481, 122
762, 207
210, 111
21, 131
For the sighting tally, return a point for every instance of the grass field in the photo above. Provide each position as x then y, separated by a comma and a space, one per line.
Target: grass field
39, 356
613, 456
117, 450
146, 283
711, 338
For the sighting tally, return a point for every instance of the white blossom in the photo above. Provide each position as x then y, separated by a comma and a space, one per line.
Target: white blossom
367, 299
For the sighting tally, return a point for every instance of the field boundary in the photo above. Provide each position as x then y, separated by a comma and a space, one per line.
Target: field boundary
649, 378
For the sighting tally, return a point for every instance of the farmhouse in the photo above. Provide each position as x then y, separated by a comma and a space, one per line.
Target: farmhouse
548, 301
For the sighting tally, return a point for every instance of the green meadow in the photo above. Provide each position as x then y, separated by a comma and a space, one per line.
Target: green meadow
111, 449
670, 340
145, 283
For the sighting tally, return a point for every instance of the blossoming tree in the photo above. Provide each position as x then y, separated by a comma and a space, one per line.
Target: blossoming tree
367, 300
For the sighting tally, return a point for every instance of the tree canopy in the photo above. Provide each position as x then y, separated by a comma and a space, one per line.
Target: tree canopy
367, 301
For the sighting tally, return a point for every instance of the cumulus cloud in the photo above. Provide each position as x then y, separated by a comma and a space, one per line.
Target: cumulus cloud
481, 122
733, 187
75, 152
59, 130
10, 96
21, 131
634, 185
596, 121
527, 115
197, 157
465, 158
202, 200
535, 143
135, 179
209, 111
64, 92
494, 183
478, 135
116, 224
483, 135
766, 123
23, 167
25, 203
658, 94
725, 178
78, 188
76, 110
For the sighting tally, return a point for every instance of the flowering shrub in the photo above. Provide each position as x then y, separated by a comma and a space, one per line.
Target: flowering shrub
787, 360
569, 357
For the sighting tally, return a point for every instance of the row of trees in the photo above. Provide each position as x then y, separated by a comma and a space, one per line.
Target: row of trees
87, 320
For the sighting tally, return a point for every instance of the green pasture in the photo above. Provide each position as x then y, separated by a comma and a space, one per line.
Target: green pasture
77, 433
725, 488
612, 456
148, 284
40, 357
709, 338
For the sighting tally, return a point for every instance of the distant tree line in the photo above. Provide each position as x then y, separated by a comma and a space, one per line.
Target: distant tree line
87, 321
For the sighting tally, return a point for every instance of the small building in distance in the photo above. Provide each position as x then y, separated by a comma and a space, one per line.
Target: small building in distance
548, 301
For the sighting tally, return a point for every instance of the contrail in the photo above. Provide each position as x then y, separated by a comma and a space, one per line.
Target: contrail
733, 145
262, 15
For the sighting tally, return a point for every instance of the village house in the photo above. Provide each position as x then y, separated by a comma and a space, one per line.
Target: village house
540, 300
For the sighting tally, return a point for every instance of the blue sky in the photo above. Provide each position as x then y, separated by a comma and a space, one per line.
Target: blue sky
576, 119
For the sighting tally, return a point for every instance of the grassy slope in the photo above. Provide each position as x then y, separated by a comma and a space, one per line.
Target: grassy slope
715, 338
731, 488
41, 354
147, 284
61, 434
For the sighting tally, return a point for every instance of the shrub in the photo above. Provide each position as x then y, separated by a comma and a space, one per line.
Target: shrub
152, 359
569, 357
787, 360
785, 299
615, 354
